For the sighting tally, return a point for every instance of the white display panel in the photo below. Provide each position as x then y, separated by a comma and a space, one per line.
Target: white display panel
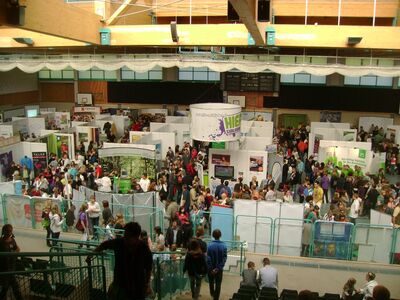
289, 230
245, 212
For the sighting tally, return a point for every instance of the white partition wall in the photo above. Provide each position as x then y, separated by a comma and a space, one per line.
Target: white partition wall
245, 222
393, 130
254, 220
246, 163
348, 153
177, 119
154, 126
333, 134
167, 139
366, 122
315, 125
255, 143
374, 243
267, 211
289, 229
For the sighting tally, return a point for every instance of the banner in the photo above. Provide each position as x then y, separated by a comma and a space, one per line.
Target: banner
39, 160
131, 161
215, 122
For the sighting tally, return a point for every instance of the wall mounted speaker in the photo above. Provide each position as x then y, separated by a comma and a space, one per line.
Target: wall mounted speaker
174, 32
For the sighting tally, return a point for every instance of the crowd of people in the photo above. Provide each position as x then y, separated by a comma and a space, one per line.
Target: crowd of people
347, 192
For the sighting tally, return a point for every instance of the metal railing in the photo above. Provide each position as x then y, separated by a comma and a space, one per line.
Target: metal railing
26, 211
47, 275
168, 278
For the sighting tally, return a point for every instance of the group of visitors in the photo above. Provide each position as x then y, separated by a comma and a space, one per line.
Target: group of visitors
267, 277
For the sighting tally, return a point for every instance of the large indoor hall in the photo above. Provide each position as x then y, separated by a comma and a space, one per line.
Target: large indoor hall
200, 149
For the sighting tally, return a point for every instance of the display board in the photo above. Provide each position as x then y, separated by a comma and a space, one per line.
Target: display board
332, 240
367, 122
134, 160
289, 230
250, 82
222, 219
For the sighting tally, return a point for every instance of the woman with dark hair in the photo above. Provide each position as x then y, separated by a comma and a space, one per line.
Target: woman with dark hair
186, 226
7, 263
196, 266
160, 239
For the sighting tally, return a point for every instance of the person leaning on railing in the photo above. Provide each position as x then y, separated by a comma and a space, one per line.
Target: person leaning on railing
133, 265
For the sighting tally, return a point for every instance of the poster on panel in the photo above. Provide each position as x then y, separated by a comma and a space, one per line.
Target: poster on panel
39, 160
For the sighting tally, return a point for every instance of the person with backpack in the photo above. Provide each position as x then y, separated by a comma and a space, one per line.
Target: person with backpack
82, 224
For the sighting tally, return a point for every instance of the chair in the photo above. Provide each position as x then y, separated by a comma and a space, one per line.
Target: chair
267, 297
268, 294
247, 295
271, 292
251, 289
329, 296
289, 294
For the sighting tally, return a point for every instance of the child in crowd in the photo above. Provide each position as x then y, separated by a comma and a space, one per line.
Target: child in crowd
349, 289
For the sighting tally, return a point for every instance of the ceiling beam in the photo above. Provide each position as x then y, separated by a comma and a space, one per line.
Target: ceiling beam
40, 40
123, 7
303, 36
246, 9
55, 17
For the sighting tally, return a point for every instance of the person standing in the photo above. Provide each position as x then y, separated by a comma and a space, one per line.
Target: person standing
133, 265
268, 275
55, 223
355, 208
82, 224
94, 215
46, 220
144, 182
216, 259
196, 266
106, 213
396, 216
7, 263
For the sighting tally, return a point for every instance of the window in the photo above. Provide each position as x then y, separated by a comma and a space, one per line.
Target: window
97, 74
198, 74
369, 80
66, 74
153, 74
303, 78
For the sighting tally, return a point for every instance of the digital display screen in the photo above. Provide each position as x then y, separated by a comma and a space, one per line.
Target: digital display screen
31, 113
225, 172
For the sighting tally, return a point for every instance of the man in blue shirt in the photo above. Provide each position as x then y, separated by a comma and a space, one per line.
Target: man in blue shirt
26, 161
216, 258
